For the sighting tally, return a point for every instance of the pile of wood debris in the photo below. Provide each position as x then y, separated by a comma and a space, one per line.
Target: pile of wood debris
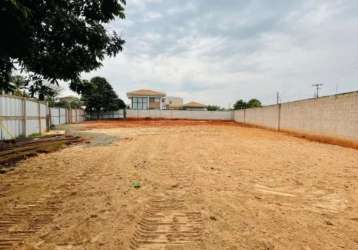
16, 150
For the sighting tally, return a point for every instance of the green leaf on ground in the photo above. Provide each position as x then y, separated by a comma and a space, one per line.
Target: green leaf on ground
136, 184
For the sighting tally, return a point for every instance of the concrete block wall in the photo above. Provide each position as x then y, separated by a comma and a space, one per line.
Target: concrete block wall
152, 113
239, 116
333, 116
181, 114
265, 116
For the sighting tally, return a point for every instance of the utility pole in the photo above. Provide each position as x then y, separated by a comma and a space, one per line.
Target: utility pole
318, 87
277, 97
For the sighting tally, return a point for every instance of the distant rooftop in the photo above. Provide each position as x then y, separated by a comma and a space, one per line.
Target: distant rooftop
194, 105
145, 92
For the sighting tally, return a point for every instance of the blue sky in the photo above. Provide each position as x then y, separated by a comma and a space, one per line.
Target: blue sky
217, 52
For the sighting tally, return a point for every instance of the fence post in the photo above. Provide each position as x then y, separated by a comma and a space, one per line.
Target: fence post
69, 112
279, 117
59, 116
24, 122
49, 117
244, 116
39, 114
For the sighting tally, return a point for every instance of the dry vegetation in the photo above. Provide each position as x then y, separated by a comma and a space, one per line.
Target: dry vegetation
203, 185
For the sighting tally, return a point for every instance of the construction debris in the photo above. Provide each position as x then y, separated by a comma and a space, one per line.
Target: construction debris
16, 150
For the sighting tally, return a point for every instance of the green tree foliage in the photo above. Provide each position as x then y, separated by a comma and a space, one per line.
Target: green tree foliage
254, 103
7, 88
56, 39
15, 85
99, 96
19, 83
241, 104
67, 102
214, 108
41, 91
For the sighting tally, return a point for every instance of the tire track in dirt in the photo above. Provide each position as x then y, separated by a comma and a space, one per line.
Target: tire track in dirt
22, 221
25, 219
166, 221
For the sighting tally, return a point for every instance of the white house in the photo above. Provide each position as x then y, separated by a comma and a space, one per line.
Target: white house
146, 99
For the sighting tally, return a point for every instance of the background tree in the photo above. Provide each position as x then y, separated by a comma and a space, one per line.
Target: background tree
253, 103
7, 88
240, 104
56, 39
19, 83
98, 96
72, 102
43, 90
214, 108
16, 86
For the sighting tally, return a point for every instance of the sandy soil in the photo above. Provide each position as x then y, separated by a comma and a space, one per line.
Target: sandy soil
203, 185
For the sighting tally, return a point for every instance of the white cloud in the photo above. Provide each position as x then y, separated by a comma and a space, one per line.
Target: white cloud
217, 52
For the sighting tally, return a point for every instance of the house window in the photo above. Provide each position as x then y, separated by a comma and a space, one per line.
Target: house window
154, 99
140, 103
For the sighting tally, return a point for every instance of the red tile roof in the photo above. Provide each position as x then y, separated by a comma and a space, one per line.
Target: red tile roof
194, 105
145, 92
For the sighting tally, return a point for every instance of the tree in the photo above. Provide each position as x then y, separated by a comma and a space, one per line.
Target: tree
19, 83
43, 90
68, 102
7, 88
16, 86
98, 96
56, 39
240, 104
253, 103
214, 108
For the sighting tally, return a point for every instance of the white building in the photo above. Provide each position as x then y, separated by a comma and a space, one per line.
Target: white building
172, 102
146, 99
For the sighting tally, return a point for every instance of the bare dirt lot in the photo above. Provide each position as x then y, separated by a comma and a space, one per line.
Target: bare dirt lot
182, 185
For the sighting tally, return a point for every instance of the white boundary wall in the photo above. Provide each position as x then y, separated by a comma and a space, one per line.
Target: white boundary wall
267, 116
23, 116
181, 114
58, 116
106, 115
335, 116
331, 115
